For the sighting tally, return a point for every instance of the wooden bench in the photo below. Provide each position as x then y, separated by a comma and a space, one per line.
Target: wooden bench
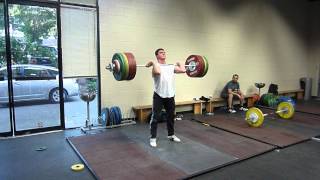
142, 112
298, 93
214, 102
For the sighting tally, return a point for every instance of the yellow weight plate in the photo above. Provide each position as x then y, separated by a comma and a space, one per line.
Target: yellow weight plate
287, 114
206, 65
126, 66
254, 117
77, 167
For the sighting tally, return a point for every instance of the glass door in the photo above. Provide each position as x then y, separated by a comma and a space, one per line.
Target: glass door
5, 123
34, 66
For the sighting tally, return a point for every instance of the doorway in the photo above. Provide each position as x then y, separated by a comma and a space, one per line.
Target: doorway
30, 82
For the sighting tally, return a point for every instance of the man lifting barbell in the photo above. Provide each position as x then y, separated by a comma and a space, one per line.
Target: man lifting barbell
123, 67
164, 92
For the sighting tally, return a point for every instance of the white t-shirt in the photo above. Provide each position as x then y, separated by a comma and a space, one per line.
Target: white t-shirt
164, 84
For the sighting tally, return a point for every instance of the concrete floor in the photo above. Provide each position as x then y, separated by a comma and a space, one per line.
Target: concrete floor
21, 160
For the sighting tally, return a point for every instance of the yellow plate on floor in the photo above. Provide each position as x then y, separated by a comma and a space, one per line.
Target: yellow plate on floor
286, 106
77, 167
258, 117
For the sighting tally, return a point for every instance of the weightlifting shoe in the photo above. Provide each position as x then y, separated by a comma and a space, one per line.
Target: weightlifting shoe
243, 109
174, 138
153, 142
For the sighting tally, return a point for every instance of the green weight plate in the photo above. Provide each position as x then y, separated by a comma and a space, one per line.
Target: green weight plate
124, 72
126, 66
117, 75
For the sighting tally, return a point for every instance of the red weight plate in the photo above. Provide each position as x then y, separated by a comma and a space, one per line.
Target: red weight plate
199, 69
201, 58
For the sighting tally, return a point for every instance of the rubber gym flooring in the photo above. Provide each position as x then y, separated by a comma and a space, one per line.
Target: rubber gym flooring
308, 107
223, 148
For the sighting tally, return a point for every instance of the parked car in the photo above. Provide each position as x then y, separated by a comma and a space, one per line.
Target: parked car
35, 82
41, 61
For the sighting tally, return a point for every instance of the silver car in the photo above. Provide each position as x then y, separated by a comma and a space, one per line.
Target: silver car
35, 82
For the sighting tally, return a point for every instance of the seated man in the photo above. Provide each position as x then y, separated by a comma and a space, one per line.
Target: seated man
232, 90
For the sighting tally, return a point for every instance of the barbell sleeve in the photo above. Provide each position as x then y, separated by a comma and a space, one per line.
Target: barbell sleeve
277, 112
281, 111
111, 66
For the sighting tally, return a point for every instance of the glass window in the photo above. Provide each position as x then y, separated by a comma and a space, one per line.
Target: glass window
79, 58
78, 41
29, 72
17, 72
3, 75
53, 73
84, 2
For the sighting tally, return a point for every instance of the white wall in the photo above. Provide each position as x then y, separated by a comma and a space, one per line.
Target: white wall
314, 47
252, 38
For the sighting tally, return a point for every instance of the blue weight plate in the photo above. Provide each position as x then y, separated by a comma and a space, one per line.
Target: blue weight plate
115, 115
119, 114
111, 116
105, 116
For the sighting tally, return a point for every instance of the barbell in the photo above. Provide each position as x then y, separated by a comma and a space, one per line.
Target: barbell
255, 117
124, 66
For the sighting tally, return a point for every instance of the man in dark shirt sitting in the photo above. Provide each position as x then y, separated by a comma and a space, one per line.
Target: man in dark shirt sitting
232, 90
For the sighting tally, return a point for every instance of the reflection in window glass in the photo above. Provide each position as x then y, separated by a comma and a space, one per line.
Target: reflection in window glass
17, 72
84, 2
76, 110
47, 0
28, 72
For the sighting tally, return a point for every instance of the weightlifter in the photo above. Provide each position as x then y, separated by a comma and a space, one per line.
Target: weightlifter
231, 91
164, 93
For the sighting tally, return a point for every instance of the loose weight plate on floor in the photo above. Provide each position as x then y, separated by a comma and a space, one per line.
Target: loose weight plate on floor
77, 167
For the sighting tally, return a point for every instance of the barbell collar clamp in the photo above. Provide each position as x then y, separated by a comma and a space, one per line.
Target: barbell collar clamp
110, 67
253, 117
